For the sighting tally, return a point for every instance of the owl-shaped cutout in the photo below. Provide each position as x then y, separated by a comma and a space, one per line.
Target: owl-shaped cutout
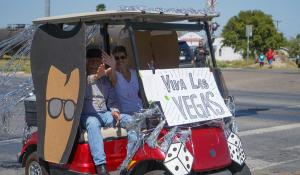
61, 100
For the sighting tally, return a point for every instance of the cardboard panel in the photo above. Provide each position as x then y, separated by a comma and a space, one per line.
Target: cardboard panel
162, 47
58, 72
143, 42
165, 49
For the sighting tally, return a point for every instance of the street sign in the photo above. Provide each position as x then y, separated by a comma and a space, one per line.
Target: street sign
249, 30
248, 35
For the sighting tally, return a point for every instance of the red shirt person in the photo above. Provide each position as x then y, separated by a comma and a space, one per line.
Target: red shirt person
270, 55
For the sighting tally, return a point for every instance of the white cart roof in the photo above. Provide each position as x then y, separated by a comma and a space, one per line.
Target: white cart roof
120, 17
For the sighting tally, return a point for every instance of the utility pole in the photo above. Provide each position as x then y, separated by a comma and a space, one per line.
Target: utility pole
248, 50
277, 24
211, 5
47, 8
248, 34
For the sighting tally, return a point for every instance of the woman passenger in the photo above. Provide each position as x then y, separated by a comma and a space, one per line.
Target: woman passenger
125, 81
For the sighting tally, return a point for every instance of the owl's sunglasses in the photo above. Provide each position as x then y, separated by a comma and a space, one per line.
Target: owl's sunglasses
57, 105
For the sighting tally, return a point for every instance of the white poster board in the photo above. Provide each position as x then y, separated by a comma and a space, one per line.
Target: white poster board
186, 95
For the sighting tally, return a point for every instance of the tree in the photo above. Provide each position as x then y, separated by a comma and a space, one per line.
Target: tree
294, 46
100, 7
264, 34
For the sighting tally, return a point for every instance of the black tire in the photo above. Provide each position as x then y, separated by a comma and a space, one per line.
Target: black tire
32, 165
149, 168
239, 170
157, 172
152, 172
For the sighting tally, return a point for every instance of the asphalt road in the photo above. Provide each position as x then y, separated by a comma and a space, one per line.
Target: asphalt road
268, 115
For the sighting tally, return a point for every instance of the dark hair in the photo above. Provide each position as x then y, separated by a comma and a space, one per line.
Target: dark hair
118, 49
93, 53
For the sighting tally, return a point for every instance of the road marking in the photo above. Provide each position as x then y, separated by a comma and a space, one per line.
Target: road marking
270, 129
257, 164
10, 141
267, 102
294, 106
297, 147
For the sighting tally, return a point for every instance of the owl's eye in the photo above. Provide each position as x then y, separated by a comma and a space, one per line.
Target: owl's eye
54, 107
69, 109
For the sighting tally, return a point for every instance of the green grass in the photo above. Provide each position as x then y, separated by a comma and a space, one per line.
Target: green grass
252, 65
235, 64
22, 64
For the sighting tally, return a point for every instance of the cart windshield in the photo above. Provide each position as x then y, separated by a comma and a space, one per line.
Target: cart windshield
164, 49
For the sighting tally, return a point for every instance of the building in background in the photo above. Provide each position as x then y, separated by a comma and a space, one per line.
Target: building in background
225, 53
222, 53
191, 38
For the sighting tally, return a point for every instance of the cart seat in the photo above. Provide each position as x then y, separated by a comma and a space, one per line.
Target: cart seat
107, 133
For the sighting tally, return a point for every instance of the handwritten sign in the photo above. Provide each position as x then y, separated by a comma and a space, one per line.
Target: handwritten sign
186, 95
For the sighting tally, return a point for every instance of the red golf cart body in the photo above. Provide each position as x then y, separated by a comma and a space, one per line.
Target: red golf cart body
210, 150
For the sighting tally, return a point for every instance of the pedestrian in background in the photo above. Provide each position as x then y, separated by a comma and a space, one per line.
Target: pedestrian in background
200, 53
261, 59
298, 60
270, 55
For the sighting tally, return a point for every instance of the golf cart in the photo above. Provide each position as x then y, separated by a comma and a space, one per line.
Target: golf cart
193, 133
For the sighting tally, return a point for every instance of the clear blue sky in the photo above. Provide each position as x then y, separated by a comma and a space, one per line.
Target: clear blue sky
23, 11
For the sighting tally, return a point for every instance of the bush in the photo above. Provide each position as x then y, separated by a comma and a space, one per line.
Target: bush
16, 65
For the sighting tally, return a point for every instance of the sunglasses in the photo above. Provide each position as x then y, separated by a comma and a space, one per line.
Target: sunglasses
56, 105
120, 57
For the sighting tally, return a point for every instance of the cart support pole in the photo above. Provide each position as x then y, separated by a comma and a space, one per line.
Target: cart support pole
210, 44
104, 33
138, 67
134, 48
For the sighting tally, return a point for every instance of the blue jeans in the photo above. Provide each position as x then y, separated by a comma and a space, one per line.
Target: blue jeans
92, 124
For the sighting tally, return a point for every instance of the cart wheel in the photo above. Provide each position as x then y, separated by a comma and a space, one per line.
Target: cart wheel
149, 168
32, 165
239, 170
157, 172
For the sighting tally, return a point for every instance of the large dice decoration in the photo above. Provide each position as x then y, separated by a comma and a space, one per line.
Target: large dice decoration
178, 159
236, 149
